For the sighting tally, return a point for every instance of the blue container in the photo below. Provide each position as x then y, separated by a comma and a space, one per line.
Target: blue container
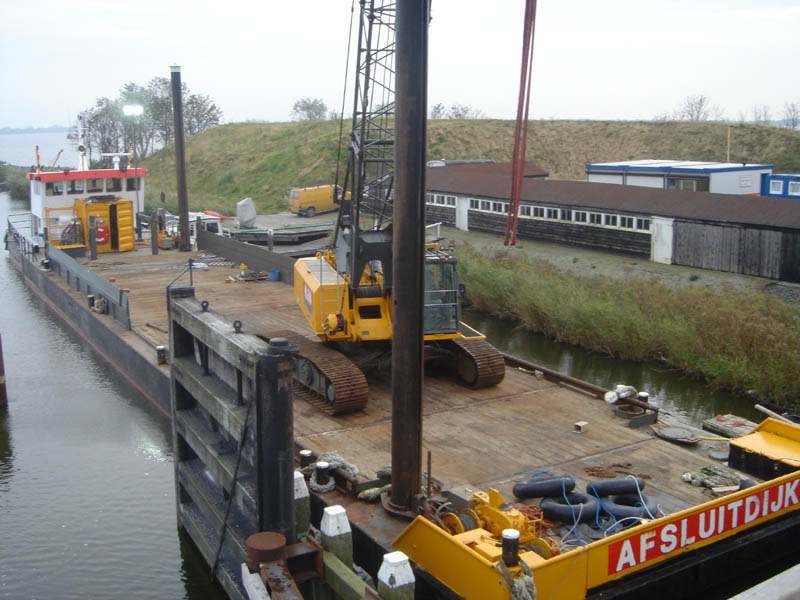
275, 275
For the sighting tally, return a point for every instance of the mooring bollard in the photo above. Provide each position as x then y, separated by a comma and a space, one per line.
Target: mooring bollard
395, 577
337, 537
302, 505
3, 396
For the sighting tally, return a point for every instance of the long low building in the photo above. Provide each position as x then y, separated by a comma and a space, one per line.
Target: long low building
753, 235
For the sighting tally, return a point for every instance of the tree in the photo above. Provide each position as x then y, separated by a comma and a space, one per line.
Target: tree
791, 115
309, 109
697, 108
438, 111
108, 130
761, 114
462, 111
200, 113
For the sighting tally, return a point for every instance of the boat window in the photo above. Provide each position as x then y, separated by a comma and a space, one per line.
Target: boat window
54, 188
794, 188
94, 185
132, 184
114, 185
75, 186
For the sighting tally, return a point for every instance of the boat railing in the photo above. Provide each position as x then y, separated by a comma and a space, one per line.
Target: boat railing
84, 281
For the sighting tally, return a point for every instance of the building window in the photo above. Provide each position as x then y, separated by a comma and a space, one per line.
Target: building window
626, 222
497, 207
610, 220
428, 198
54, 188
538, 211
794, 188
566, 215
524, 211
486, 205
451, 200
776, 186
552, 213
114, 185
473, 203
580, 216
94, 186
643, 224
595, 218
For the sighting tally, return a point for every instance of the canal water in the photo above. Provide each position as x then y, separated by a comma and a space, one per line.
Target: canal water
87, 500
690, 399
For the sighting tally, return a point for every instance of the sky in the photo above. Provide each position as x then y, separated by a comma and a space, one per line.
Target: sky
617, 59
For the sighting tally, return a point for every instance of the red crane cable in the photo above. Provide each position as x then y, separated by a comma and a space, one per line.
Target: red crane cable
521, 129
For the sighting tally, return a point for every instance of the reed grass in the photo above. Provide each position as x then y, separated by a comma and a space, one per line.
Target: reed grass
740, 340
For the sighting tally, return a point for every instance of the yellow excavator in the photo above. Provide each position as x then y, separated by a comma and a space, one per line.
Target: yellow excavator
345, 292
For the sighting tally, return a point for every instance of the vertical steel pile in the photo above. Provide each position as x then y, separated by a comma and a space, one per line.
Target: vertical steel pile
180, 159
408, 250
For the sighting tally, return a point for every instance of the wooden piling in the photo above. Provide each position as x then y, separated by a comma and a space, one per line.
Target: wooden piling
3, 395
337, 538
395, 577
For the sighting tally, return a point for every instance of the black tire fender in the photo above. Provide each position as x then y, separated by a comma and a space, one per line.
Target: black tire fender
610, 487
629, 505
543, 486
581, 507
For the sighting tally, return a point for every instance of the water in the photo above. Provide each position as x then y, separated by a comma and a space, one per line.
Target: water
690, 399
20, 149
87, 498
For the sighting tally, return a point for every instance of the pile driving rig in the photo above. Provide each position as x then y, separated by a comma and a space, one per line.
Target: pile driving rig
346, 291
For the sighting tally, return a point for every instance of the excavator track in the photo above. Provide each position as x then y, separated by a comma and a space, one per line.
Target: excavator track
478, 363
324, 377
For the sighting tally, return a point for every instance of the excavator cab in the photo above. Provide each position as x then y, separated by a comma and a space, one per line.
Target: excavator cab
442, 310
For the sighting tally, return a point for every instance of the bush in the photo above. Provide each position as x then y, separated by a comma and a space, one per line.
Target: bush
13, 181
746, 342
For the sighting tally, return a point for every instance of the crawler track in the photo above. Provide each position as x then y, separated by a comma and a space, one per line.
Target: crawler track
336, 385
478, 363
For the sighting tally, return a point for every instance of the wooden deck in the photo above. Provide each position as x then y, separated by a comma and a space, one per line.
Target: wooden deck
478, 438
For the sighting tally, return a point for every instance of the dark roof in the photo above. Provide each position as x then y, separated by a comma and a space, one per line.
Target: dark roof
477, 181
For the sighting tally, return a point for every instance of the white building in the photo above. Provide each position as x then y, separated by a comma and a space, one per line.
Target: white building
694, 176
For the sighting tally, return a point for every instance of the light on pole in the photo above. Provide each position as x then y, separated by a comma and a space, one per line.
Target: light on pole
134, 111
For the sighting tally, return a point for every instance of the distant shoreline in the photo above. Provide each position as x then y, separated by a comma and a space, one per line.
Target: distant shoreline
51, 129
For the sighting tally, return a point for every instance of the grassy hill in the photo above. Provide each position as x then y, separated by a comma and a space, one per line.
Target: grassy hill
264, 160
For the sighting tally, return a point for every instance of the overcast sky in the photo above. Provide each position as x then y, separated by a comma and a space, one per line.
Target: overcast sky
618, 59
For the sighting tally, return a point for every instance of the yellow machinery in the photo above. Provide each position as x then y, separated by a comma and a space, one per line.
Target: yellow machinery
114, 229
340, 310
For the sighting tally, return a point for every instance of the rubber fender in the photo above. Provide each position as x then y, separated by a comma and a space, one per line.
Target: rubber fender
609, 487
543, 486
583, 508
629, 505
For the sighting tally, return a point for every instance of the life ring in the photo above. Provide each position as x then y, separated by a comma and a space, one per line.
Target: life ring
576, 506
543, 486
623, 485
101, 234
629, 505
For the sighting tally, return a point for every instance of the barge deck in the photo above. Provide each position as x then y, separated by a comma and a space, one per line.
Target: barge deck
478, 439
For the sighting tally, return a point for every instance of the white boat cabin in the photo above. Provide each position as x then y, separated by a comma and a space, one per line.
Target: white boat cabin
60, 189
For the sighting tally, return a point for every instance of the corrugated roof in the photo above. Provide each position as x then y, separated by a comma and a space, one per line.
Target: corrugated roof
491, 181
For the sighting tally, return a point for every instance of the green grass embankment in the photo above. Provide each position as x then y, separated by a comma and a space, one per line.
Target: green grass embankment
738, 340
264, 160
